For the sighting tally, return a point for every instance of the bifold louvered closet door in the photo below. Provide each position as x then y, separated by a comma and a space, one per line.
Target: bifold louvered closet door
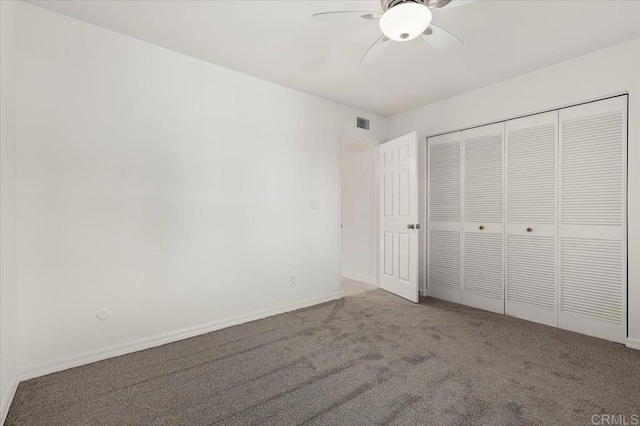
531, 282
443, 217
593, 269
528, 217
483, 228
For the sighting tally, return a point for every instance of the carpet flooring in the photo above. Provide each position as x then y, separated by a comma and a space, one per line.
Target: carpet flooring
369, 358
350, 287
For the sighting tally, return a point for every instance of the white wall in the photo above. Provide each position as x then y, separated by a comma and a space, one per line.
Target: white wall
606, 72
359, 208
169, 190
8, 283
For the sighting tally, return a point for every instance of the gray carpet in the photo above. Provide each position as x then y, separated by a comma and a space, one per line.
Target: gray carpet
370, 358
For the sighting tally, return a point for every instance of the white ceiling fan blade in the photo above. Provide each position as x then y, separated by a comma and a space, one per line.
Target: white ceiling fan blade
375, 50
345, 15
456, 3
441, 39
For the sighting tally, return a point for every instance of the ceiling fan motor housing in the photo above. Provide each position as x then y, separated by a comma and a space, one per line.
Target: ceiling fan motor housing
388, 4
404, 20
431, 4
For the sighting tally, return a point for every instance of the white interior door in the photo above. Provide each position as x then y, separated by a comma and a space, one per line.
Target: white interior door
532, 263
593, 273
399, 236
444, 217
483, 225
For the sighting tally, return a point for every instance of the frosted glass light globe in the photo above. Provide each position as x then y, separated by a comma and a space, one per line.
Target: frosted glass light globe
405, 21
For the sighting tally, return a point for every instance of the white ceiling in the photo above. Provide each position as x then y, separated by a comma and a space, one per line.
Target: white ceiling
279, 42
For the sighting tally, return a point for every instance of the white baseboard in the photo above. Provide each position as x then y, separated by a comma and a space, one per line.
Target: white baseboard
64, 363
361, 278
633, 343
6, 401
422, 292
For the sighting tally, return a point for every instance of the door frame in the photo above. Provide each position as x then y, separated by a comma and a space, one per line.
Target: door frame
376, 147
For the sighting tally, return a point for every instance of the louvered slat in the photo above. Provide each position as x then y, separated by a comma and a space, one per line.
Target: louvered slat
483, 264
444, 186
531, 283
592, 170
444, 259
483, 179
592, 278
531, 174
483, 195
444, 215
593, 150
531, 271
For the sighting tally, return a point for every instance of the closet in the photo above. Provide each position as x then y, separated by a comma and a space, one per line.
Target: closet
527, 217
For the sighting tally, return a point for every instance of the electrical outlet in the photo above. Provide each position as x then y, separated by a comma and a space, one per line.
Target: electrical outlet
292, 280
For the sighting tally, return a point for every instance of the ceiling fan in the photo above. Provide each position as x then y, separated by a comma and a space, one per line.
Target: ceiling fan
401, 20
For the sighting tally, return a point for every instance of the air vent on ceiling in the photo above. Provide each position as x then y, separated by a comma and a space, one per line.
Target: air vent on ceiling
362, 123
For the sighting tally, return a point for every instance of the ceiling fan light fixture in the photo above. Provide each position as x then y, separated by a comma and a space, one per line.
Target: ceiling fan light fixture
405, 21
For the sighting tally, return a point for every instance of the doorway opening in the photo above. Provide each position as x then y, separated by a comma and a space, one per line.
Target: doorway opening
359, 216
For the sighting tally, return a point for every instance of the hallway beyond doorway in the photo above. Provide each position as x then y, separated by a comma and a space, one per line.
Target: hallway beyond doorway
350, 287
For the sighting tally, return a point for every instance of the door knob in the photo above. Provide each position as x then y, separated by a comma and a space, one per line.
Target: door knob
481, 227
411, 226
529, 229
417, 226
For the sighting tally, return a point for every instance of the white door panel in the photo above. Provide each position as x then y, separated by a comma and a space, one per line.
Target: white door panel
483, 212
443, 270
531, 278
387, 194
399, 246
443, 215
531, 249
482, 272
593, 280
444, 178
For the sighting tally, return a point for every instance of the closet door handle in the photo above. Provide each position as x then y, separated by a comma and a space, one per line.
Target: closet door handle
529, 229
481, 227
